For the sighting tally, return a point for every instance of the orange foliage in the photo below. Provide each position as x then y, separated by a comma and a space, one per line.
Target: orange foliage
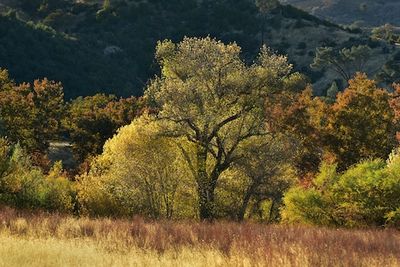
361, 123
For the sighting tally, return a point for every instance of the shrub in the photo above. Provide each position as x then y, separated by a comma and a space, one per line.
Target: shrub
59, 192
25, 186
311, 205
367, 194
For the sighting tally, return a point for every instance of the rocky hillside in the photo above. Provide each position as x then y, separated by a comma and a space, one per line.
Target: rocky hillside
94, 47
361, 12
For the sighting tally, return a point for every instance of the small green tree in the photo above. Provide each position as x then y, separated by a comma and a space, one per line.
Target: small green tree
331, 93
24, 186
345, 62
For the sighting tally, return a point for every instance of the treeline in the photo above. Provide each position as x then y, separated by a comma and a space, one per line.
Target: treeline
213, 137
36, 114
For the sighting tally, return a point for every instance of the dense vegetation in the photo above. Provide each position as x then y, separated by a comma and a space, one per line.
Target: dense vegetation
198, 133
213, 137
229, 129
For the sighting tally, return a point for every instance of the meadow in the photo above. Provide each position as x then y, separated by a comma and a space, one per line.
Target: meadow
43, 239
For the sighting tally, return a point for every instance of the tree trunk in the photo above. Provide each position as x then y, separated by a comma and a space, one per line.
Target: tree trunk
206, 204
246, 200
271, 210
264, 21
205, 190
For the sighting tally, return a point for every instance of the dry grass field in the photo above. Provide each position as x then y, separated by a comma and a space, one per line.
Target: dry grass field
40, 239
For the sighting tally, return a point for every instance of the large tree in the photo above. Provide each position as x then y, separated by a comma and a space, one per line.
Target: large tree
208, 95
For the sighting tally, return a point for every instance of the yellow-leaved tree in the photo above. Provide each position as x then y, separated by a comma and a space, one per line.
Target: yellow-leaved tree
139, 173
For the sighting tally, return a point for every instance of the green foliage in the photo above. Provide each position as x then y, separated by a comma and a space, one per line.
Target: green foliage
332, 92
25, 186
197, 156
94, 119
387, 33
226, 138
367, 194
344, 62
311, 205
60, 193
306, 207
73, 50
68, 41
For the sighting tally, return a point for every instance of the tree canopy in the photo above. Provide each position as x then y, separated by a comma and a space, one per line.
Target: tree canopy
207, 94
361, 123
31, 113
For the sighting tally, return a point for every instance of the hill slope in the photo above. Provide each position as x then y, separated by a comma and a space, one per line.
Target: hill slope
93, 48
366, 12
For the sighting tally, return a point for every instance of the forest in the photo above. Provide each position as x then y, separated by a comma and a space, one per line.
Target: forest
224, 151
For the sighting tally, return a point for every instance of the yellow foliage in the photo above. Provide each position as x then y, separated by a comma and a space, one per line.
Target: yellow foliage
140, 172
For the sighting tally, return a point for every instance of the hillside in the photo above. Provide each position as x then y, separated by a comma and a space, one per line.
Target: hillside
363, 12
94, 48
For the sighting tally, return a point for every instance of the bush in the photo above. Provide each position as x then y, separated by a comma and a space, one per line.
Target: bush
367, 194
25, 186
59, 192
311, 205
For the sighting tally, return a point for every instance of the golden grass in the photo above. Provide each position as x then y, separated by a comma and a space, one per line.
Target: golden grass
16, 251
39, 239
